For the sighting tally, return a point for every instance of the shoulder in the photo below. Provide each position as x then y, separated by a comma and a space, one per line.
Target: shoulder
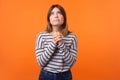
72, 35
42, 34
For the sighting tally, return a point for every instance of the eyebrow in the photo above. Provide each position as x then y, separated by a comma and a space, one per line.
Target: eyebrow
57, 11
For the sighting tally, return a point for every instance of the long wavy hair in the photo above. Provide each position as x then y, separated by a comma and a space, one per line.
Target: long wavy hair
64, 26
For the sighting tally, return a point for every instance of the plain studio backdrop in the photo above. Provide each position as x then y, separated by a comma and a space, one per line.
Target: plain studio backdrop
95, 22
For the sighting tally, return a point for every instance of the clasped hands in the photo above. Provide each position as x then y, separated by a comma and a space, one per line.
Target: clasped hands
57, 37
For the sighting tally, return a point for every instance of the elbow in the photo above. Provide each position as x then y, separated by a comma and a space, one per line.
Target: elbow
40, 63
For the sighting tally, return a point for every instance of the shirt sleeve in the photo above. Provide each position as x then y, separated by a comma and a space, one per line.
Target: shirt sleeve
69, 55
43, 54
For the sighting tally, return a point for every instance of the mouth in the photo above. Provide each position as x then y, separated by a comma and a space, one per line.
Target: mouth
56, 20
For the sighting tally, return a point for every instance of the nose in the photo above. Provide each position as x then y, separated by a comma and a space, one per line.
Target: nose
55, 15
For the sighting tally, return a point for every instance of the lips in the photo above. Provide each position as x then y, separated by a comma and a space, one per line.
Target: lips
56, 20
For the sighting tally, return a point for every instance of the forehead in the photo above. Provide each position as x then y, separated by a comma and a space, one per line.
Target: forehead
55, 9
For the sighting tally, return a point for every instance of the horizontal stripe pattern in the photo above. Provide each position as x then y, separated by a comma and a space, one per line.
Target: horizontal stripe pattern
56, 58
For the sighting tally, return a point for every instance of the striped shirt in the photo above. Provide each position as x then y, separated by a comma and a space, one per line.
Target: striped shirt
56, 58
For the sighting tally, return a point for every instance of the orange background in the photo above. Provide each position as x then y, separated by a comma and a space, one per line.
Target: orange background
95, 22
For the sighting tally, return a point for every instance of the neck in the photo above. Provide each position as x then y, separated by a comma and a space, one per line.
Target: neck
56, 29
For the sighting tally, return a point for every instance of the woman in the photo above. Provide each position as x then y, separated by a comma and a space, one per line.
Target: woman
56, 48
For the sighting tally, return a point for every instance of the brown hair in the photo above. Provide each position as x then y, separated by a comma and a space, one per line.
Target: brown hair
64, 26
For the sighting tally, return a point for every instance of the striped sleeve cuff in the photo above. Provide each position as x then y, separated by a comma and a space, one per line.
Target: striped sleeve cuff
51, 48
61, 46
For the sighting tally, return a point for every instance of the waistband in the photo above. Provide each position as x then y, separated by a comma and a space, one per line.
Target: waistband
60, 73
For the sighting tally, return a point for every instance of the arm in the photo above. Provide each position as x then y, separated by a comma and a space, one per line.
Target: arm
44, 54
69, 55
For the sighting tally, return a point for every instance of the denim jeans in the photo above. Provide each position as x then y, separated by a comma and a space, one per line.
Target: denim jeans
45, 75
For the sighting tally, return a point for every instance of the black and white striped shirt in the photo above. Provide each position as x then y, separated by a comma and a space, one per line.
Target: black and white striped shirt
56, 58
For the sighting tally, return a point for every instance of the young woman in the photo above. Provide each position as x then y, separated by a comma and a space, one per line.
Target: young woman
56, 47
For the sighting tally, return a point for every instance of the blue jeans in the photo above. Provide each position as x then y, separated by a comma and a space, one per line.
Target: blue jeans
45, 75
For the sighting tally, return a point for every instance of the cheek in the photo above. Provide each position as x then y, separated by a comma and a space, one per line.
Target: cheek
51, 19
62, 20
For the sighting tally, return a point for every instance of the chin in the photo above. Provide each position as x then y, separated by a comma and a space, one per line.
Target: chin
56, 24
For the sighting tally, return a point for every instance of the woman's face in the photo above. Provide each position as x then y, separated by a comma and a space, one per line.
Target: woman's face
56, 17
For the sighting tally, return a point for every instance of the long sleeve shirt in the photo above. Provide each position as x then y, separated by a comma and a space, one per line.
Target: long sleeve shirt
56, 58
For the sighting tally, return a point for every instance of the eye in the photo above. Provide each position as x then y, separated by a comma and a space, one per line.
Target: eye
59, 12
51, 13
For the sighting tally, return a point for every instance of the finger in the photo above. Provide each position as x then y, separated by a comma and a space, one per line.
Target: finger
59, 38
58, 33
55, 34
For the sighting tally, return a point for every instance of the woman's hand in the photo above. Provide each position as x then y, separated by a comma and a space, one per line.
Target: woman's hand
57, 37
